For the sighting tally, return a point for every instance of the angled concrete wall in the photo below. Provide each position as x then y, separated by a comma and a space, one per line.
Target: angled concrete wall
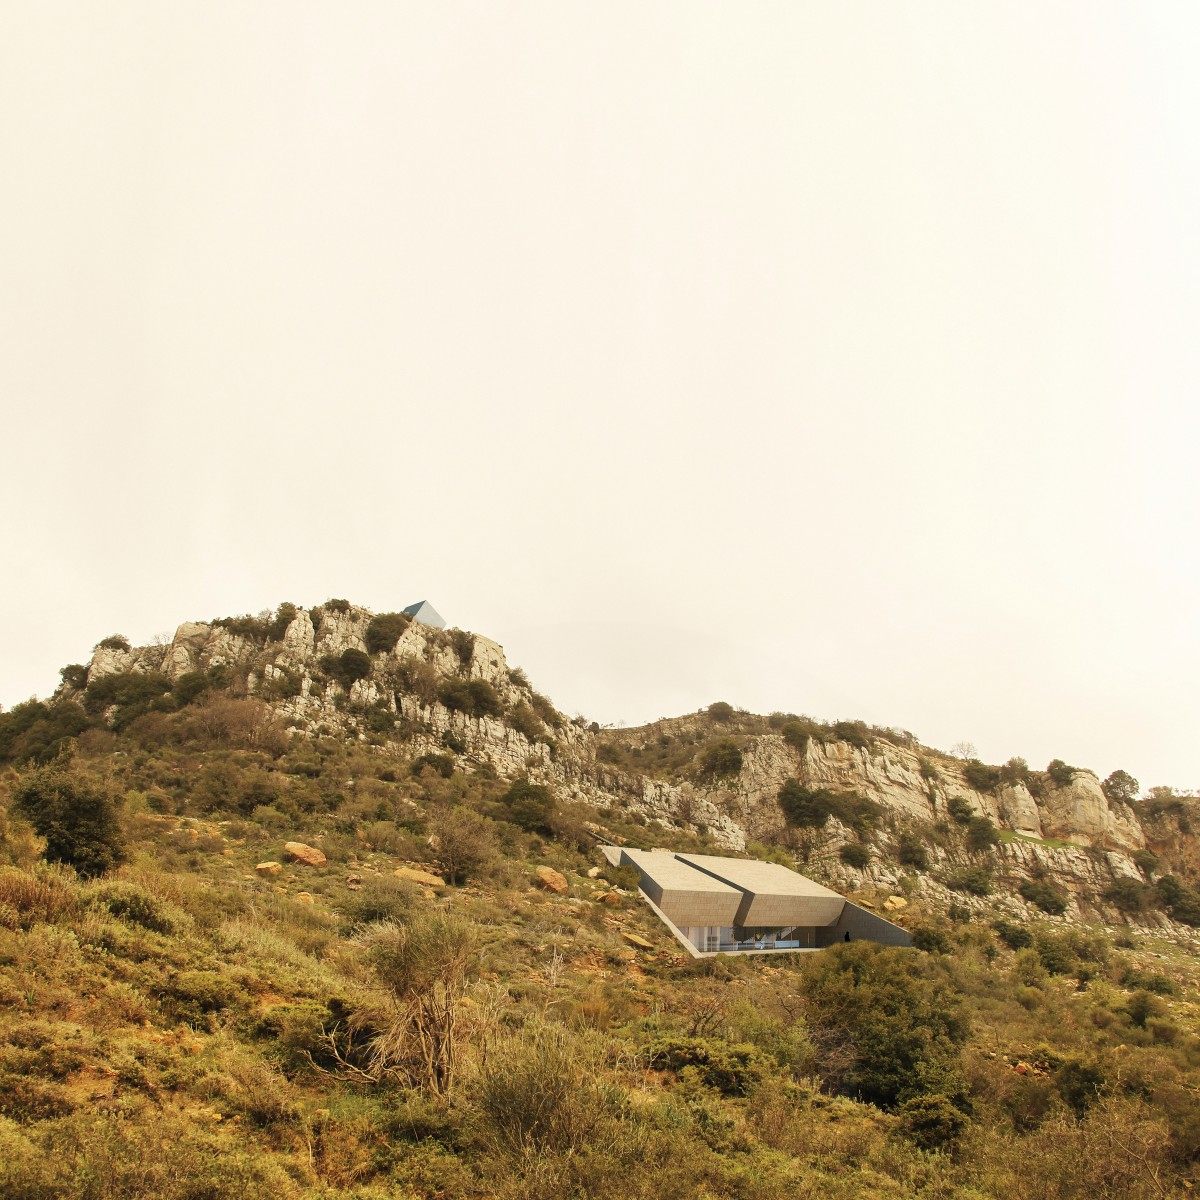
862, 926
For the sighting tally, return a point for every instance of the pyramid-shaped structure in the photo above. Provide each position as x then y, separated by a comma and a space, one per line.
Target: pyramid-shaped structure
424, 612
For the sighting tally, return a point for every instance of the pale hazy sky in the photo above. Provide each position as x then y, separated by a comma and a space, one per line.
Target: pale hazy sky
839, 358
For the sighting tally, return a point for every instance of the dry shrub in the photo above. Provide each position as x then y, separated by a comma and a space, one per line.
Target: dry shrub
221, 720
46, 894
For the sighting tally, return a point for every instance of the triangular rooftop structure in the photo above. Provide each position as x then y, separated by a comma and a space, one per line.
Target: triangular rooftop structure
714, 904
424, 612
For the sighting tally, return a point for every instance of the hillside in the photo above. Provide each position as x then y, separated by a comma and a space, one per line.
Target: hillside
347, 934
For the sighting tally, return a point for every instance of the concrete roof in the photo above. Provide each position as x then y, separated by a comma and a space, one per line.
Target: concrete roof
772, 895
686, 895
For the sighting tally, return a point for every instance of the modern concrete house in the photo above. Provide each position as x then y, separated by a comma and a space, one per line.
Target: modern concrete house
424, 612
743, 906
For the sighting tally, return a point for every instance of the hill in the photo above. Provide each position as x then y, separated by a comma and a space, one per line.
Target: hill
322, 946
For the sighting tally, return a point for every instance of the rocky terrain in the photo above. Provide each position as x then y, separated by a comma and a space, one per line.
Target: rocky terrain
1058, 828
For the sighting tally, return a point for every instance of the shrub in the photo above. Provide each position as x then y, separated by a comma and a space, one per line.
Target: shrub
980, 776
1120, 788
1128, 895
530, 806
137, 906
381, 898
442, 764
720, 760
931, 1122
855, 854
1015, 937
285, 614
115, 641
1016, 770
74, 676
33, 730
911, 852
977, 881
1038, 892
1179, 900
854, 732
75, 814
474, 697
812, 807
931, 939
882, 1021
523, 720
981, 834
1060, 774
336, 606
721, 712
546, 711
189, 686
463, 645
384, 631
463, 842
132, 692
347, 667
961, 810
798, 735
733, 1070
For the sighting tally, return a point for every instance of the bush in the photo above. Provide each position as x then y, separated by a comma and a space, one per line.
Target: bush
530, 806
854, 732
75, 814
911, 852
348, 667
1128, 895
1038, 892
977, 881
961, 810
463, 842
1120, 788
980, 776
812, 807
931, 1122
721, 712
384, 631
1015, 937
720, 760
74, 676
463, 645
855, 854
797, 735
133, 692
981, 834
1060, 774
442, 764
1180, 901
733, 1070
33, 730
474, 697
882, 1020
931, 939
115, 641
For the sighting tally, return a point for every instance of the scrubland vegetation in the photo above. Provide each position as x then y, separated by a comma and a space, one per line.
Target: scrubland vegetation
188, 1012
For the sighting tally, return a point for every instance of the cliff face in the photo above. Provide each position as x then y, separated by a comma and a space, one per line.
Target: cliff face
403, 694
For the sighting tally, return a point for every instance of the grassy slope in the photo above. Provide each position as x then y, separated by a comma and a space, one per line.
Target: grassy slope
162, 1029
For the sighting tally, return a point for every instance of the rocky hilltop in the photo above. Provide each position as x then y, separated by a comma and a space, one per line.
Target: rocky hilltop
926, 822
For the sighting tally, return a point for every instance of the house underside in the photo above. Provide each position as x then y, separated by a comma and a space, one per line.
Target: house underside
719, 905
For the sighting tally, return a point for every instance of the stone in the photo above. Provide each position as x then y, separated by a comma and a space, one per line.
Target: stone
894, 903
298, 852
268, 869
612, 899
425, 878
305, 897
354, 882
636, 939
593, 872
552, 880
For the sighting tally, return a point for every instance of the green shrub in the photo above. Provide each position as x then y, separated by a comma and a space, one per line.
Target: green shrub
1128, 895
381, 898
812, 807
189, 687
1080, 1083
442, 764
911, 852
529, 805
981, 834
1147, 861
348, 667
931, 1122
1015, 937
115, 641
797, 734
336, 606
385, 630
733, 1070
980, 776
977, 881
855, 854
76, 815
854, 732
75, 675
137, 906
463, 645
720, 760
1038, 892
129, 690
523, 720
1180, 901
1120, 788
961, 810
474, 697
1060, 774
37, 731
721, 712
931, 939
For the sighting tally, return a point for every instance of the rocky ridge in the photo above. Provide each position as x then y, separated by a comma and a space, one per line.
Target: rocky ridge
1070, 835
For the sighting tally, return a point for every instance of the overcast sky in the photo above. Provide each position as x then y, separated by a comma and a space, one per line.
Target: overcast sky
835, 358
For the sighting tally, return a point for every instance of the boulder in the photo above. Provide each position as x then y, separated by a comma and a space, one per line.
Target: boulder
425, 878
552, 880
298, 852
895, 903
636, 939
612, 899
268, 869
593, 872
305, 897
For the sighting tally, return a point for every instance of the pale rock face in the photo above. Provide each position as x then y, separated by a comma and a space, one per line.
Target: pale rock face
488, 662
342, 631
1080, 813
183, 654
110, 662
1019, 811
299, 639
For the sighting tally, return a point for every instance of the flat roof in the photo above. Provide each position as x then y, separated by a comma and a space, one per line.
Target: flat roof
761, 878
673, 873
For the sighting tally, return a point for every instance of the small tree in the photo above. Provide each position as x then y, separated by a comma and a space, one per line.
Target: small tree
530, 806
463, 842
1120, 787
76, 815
720, 760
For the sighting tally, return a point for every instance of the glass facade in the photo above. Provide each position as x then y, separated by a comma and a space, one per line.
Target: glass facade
710, 938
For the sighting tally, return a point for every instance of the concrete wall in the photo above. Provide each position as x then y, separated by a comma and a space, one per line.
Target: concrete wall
862, 926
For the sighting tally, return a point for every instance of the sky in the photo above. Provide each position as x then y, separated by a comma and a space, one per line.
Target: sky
834, 358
